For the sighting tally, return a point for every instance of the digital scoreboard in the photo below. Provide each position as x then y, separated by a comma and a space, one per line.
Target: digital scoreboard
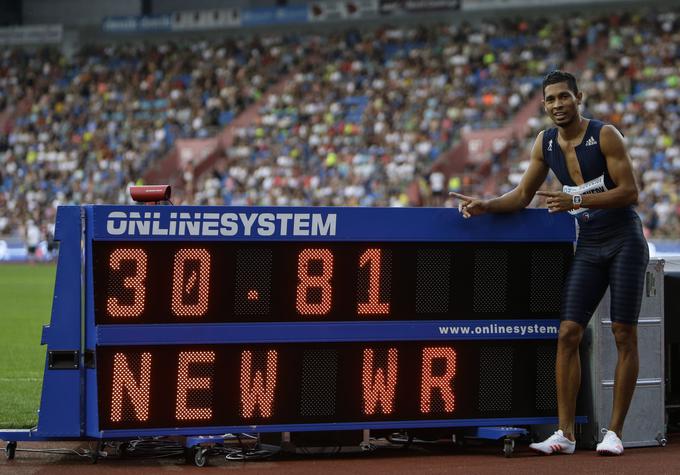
208, 320
236, 282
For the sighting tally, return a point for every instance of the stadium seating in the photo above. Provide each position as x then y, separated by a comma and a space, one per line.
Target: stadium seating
371, 112
362, 116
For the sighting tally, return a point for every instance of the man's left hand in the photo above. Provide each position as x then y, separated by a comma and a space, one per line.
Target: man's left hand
557, 201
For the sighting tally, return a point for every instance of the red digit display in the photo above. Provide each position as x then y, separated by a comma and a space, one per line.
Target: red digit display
372, 258
137, 388
376, 387
257, 393
318, 281
135, 283
442, 383
193, 285
151, 282
187, 384
237, 384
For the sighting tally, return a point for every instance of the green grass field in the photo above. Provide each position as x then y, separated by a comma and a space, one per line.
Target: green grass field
25, 304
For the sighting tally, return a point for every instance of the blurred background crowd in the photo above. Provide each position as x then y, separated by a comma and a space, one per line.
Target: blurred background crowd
359, 117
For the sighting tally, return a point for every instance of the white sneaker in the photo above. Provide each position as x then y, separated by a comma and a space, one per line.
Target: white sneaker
610, 445
555, 444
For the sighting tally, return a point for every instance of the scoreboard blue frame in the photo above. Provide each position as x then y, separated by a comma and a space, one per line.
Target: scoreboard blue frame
174, 320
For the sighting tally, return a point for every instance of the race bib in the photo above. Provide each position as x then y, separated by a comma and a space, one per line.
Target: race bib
593, 186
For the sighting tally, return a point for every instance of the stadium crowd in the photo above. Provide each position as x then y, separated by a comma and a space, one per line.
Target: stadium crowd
79, 130
362, 115
372, 111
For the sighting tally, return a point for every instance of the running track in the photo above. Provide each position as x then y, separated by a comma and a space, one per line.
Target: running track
421, 460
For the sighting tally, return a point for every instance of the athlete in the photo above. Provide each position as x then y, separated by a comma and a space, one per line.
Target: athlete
591, 161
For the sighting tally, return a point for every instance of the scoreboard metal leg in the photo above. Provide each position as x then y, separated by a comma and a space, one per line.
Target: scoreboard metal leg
61, 412
365, 444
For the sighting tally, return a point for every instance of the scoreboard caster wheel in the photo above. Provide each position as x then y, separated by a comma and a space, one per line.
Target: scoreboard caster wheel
508, 447
11, 450
197, 456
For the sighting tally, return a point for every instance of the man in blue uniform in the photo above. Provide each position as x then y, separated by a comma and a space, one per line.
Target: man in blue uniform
591, 161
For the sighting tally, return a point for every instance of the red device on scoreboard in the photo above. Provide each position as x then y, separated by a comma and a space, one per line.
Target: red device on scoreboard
150, 193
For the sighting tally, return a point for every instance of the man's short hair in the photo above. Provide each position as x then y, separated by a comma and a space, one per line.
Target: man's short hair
557, 76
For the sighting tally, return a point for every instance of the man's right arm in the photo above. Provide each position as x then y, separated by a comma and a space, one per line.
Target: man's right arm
520, 197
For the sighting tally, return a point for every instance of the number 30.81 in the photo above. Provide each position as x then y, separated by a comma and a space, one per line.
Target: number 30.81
196, 282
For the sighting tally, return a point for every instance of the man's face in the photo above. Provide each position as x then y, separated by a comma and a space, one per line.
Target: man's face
561, 103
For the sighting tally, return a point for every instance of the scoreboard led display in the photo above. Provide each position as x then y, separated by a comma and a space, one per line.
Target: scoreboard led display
212, 282
202, 320
307, 383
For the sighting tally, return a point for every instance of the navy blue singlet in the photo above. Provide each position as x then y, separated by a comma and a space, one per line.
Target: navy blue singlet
611, 249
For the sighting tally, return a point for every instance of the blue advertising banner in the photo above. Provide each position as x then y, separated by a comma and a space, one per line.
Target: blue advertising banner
135, 24
13, 250
274, 16
271, 332
224, 223
407, 6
